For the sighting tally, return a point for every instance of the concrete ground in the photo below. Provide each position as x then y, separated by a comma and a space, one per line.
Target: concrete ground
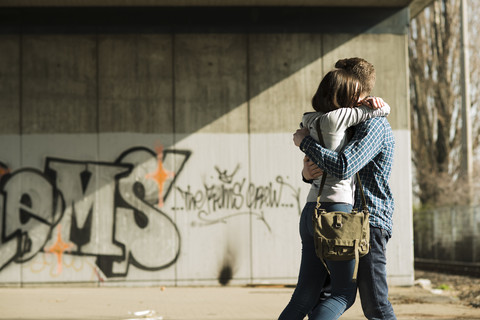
200, 303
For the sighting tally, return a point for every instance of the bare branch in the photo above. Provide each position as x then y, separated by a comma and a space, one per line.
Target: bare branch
434, 51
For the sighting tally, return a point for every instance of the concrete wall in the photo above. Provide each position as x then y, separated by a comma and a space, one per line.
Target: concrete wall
131, 158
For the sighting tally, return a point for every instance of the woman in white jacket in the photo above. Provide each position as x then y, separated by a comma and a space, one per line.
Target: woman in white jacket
339, 104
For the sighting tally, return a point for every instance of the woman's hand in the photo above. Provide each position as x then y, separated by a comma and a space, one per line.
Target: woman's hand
299, 135
372, 102
310, 170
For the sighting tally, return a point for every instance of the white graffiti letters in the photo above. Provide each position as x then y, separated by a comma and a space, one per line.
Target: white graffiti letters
85, 213
28, 214
143, 225
106, 210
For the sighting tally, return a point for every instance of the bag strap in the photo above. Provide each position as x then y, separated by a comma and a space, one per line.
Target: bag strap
357, 261
324, 175
364, 201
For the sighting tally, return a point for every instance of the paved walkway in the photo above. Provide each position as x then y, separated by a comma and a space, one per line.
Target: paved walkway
199, 303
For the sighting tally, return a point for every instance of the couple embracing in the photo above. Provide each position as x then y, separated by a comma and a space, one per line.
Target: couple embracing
342, 103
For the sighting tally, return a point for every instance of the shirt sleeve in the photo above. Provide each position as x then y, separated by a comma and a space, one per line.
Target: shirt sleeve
341, 119
364, 146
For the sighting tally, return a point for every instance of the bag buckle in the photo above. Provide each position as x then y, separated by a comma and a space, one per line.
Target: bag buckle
338, 222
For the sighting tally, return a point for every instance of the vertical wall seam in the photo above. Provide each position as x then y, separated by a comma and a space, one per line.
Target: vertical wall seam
174, 143
97, 66
20, 87
249, 144
20, 109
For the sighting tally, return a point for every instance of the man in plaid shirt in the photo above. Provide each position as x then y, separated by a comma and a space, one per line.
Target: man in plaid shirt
370, 152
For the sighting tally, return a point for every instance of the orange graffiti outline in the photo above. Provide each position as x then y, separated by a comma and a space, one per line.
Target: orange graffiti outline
58, 248
160, 175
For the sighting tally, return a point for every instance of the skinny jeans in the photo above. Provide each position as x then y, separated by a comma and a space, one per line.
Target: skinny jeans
372, 278
306, 296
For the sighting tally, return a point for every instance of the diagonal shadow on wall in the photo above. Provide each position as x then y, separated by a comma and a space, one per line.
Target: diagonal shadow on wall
168, 70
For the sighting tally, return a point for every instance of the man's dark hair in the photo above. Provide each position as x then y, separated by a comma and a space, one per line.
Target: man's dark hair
362, 69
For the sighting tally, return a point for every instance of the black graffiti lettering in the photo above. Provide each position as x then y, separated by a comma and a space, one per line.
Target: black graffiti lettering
156, 230
29, 213
84, 212
97, 208
251, 195
236, 195
191, 201
227, 197
268, 196
211, 197
229, 194
9, 248
224, 197
81, 235
113, 211
260, 197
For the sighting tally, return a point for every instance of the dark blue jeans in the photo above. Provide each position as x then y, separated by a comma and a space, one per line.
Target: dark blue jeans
372, 278
312, 276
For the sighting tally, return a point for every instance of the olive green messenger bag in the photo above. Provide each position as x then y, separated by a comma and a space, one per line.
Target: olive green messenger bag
338, 235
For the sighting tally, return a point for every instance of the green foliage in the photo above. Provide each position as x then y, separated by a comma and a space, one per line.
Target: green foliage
443, 286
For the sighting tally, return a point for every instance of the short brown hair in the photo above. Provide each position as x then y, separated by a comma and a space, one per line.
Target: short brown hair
362, 69
338, 89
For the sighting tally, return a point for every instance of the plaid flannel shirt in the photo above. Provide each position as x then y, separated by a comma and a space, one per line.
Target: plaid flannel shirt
370, 152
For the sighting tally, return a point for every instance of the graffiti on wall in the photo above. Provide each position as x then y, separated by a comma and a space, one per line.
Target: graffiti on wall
112, 211
225, 196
